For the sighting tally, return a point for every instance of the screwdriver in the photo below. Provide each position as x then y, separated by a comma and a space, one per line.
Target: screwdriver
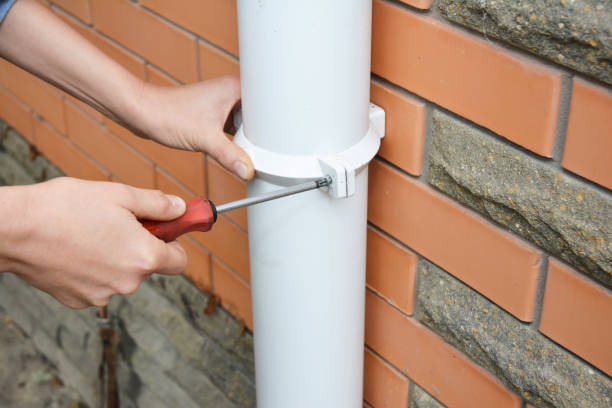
200, 213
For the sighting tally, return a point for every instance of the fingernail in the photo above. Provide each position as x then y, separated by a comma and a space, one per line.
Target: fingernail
176, 201
240, 169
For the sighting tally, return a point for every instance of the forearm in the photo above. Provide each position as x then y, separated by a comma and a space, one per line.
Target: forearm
34, 38
189, 117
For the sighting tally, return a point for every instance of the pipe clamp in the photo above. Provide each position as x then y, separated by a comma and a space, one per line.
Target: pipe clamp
284, 169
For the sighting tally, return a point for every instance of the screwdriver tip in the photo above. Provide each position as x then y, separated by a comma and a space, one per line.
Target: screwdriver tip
326, 181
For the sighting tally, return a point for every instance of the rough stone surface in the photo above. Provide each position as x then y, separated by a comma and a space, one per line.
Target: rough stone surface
27, 307
38, 167
27, 378
222, 327
567, 217
574, 33
517, 354
203, 352
164, 358
12, 172
419, 398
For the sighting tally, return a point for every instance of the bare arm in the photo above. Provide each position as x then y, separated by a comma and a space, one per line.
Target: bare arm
35, 39
80, 241
189, 117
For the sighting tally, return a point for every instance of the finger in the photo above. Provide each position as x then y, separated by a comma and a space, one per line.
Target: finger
231, 156
153, 204
173, 260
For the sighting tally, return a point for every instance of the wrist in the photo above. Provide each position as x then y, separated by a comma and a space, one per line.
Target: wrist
14, 225
131, 105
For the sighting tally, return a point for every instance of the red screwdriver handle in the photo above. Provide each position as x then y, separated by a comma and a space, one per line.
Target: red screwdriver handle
200, 215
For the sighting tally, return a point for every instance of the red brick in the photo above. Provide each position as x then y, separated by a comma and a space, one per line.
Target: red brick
157, 77
78, 8
235, 294
588, 145
17, 115
169, 185
495, 263
198, 264
214, 63
420, 4
40, 96
576, 314
70, 159
404, 130
435, 365
215, 20
383, 385
129, 61
504, 92
223, 187
229, 243
93, 113
112, 153
188, 167
391, 270
156, 40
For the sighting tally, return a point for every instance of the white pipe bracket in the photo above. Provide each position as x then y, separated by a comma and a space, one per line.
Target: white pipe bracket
285, 169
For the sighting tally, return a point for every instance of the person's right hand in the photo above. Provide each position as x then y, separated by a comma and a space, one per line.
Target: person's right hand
81, 241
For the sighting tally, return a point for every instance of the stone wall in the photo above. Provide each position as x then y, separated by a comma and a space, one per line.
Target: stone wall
567, 217
573, 33
521, 357
20, 162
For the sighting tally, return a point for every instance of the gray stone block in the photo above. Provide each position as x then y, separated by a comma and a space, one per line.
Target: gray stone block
574, 33
3, 126
177, 336
145, 334
518, 355
158, 311
16, 146
32, 162
73, 331
570, 219
227, 376
168, 393
419, 398
199, 386
220, 326
16, 301
12, 172
163, 360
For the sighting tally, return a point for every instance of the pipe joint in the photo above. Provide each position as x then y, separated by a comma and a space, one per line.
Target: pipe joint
342, 167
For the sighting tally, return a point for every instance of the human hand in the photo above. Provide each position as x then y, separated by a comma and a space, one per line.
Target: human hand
192, 117
81, 241
188, 117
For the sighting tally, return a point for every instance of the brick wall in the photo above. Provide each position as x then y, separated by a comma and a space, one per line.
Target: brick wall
489, 269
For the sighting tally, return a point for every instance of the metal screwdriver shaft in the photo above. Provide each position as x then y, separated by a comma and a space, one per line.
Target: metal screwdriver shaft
200, 214
310, 185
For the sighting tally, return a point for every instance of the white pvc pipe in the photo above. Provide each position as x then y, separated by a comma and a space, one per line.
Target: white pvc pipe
305, 71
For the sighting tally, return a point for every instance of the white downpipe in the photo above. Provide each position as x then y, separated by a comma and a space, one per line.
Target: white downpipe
305, 72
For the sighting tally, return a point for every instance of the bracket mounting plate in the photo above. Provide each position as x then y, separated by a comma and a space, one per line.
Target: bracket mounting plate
342, 167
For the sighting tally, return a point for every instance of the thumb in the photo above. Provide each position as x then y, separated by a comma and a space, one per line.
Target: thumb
232, 157
154, 205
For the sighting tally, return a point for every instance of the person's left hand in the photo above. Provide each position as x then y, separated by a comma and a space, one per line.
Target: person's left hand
192, 117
